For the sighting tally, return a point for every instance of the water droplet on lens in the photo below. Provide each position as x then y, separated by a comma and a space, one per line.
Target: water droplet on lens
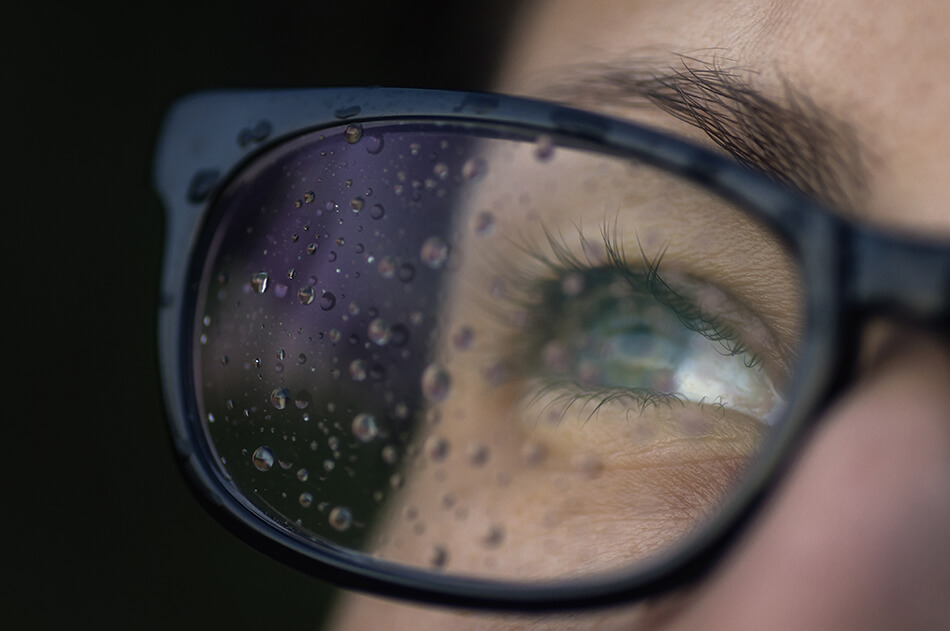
303, 475
484, 223
305, 295
437, 448
386, 267
462, 338
263, 458
374, 144
441, 170
377, 211
544, 150
438, 557
478, 454
303, 400
533, 453
279, 397
434, 252
379, 332
327, 301
353, 133
308, 197
364, 427
306, 499
259, 282
358, 370
356, 204
340, 518
436, 383
474, 168
493, 536
406, 272
389, 454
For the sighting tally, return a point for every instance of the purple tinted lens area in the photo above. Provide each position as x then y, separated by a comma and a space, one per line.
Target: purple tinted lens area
316, 306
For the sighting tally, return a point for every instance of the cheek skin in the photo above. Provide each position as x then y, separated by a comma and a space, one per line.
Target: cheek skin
857, 538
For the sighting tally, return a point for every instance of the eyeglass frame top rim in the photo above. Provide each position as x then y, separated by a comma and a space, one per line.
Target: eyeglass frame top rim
208, 137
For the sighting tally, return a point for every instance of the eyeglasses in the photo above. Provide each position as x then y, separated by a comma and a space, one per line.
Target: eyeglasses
493, 352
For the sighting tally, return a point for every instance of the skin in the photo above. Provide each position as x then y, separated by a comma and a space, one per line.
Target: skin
855, 537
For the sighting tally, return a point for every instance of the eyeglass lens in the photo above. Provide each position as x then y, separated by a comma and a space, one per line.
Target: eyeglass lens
484, 353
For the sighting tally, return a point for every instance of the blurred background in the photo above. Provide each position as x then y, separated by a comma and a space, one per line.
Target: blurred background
101, 530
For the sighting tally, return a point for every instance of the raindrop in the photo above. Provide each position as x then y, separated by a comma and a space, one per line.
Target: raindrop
305, 294
279, 397
358, 370
353, 133
437, 448
441, 170
406, 273
438, 557
377, 211
356, 204
474, 168
263, 458
306, 499
484, 223
341, 518
308, 197
436, 383
389, 454
379, 332
303, 475
327, 301
398, 335
374, 144
544, 150
259, 282
478, 454
462, 338
493, 536
311, 248
434, 252
303, 400
386, 267
364, 427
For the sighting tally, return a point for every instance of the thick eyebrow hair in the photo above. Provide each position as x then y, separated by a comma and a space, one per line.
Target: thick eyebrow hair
787, 136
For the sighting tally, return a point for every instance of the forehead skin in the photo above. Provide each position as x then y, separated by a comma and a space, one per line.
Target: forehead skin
879, 66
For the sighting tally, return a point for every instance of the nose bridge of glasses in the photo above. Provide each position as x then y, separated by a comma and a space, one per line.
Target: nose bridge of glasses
902, 277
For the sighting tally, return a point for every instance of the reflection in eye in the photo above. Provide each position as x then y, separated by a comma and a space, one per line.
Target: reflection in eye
619, 331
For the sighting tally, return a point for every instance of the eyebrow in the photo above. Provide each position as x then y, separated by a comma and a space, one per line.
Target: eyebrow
786, 136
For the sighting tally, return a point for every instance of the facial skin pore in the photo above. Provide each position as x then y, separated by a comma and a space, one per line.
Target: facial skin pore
855, 537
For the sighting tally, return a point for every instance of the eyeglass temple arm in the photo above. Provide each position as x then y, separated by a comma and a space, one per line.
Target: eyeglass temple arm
903, 277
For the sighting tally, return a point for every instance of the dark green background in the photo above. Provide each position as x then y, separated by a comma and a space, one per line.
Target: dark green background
101, 531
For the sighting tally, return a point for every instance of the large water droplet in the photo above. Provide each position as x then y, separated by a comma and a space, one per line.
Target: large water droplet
377, 211
374, 144
484, 223
306, 294
340, 518
358, 370
474, 168
379, 332
327, 301
434, 252
263, 458
353, 133
437, 448
364, 427
279, 397
259, 282
436, 383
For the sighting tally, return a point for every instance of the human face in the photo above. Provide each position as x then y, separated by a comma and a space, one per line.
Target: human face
855, 537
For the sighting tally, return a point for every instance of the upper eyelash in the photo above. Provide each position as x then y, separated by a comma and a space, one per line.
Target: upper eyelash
563, 261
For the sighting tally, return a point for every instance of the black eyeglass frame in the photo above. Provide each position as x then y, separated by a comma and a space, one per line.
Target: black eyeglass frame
851, 273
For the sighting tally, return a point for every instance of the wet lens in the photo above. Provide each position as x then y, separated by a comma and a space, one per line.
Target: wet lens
487, 353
